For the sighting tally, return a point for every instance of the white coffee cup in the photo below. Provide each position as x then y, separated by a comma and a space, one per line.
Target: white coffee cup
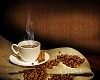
27, 54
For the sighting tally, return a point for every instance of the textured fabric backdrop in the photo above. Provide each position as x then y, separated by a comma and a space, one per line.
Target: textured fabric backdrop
57, 22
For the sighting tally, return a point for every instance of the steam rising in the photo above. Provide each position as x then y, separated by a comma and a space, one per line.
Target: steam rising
29, 31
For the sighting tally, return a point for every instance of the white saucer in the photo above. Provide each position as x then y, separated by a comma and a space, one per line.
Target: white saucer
17, 60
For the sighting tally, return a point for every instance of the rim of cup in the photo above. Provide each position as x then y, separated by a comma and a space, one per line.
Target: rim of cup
19, 44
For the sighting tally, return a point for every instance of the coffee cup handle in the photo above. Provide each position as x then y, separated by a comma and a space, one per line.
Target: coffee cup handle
12, 47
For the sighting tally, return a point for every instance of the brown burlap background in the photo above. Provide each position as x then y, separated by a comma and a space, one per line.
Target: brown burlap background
65, 23
56, 23
7, 67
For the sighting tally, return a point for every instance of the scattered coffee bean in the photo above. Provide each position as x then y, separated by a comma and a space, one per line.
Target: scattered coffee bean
39, 72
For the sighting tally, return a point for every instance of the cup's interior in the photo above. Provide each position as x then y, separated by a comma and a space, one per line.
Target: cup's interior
29, 42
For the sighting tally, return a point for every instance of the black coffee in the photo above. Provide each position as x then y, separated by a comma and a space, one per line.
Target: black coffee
28, 46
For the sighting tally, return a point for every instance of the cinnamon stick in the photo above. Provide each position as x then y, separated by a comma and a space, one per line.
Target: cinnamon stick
40, 57
43, 55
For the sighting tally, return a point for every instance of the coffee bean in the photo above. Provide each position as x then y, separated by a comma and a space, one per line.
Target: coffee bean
40, 73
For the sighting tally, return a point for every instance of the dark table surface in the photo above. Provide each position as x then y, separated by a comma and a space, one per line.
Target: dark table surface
94, 61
